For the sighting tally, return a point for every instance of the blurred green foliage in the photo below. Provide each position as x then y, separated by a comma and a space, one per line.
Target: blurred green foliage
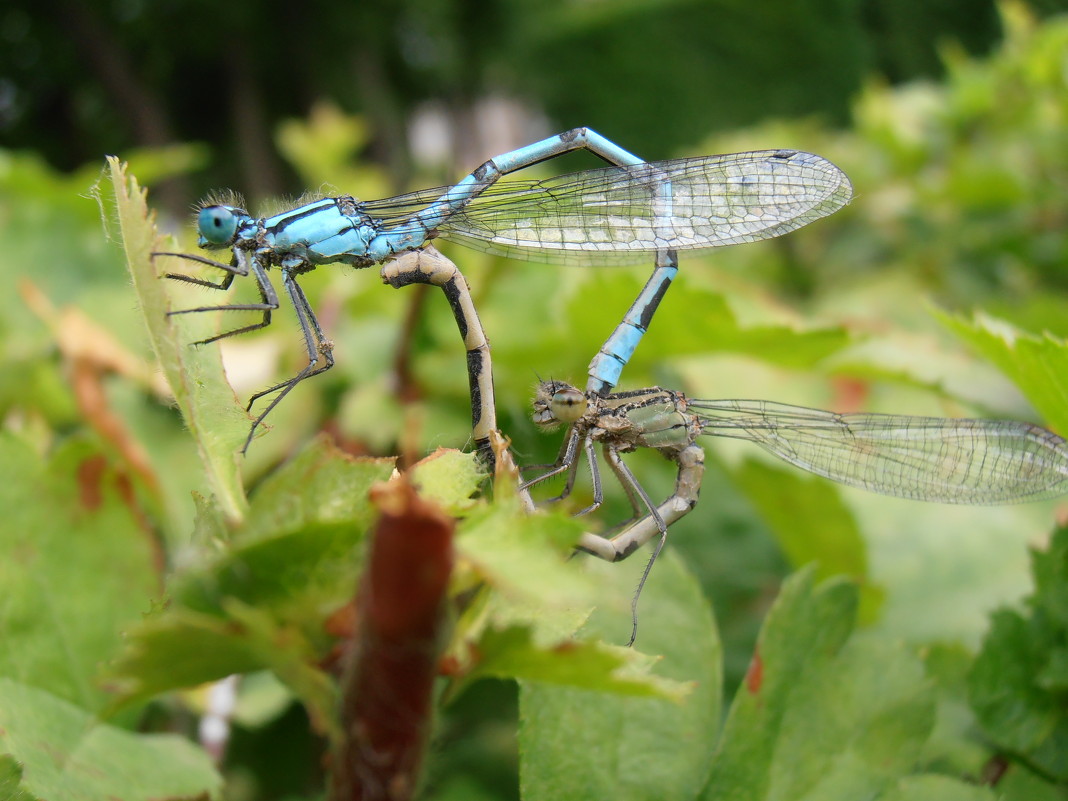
100, 77
1020, 677
926, 296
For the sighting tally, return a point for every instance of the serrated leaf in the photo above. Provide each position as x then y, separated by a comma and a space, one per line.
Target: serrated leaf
300, 549
321, 486
1037, 365
291, 659
821, 715
182, 648
10, 779
262, 602
195, 374
1016, 684
1050, 569
65, 752
586, 664
580, 743
449, 478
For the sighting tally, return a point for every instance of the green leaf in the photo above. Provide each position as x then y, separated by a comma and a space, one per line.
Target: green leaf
952, 745
195, 374
1050, 571
580, 743
65, 753
1037, 365
449, 478
261, 699
821, 715
692, 321
706, 323
524, 623
293, 661
10, 779
300, 549
586, 664
183, 648
322, 149
53, 240
158, 163
262, 602
76, 566
321, 486
523, 556
1017, 685
1020, 784
811, 523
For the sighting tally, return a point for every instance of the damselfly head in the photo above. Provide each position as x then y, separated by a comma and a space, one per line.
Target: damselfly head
218, 217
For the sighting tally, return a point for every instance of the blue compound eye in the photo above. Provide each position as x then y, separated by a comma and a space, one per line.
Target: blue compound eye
217, 224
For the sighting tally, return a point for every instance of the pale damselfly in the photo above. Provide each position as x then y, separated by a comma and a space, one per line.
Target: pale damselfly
940, 459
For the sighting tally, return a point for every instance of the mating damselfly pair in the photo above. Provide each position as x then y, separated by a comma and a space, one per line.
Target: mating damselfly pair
627, 212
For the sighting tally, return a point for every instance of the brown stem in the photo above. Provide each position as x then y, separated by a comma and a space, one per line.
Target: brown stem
388, 687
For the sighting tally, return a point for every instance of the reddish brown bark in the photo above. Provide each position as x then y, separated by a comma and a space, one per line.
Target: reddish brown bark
387, 697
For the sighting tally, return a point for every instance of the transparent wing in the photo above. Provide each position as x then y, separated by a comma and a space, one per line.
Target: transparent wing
949, 460
625, 214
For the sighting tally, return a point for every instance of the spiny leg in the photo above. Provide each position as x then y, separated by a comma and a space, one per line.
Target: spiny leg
315, 342
566, 460
231, 270
595, 479
634, 489
245, 263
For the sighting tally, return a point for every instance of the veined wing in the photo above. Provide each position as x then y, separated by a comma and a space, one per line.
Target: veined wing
626, 214
966, 461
